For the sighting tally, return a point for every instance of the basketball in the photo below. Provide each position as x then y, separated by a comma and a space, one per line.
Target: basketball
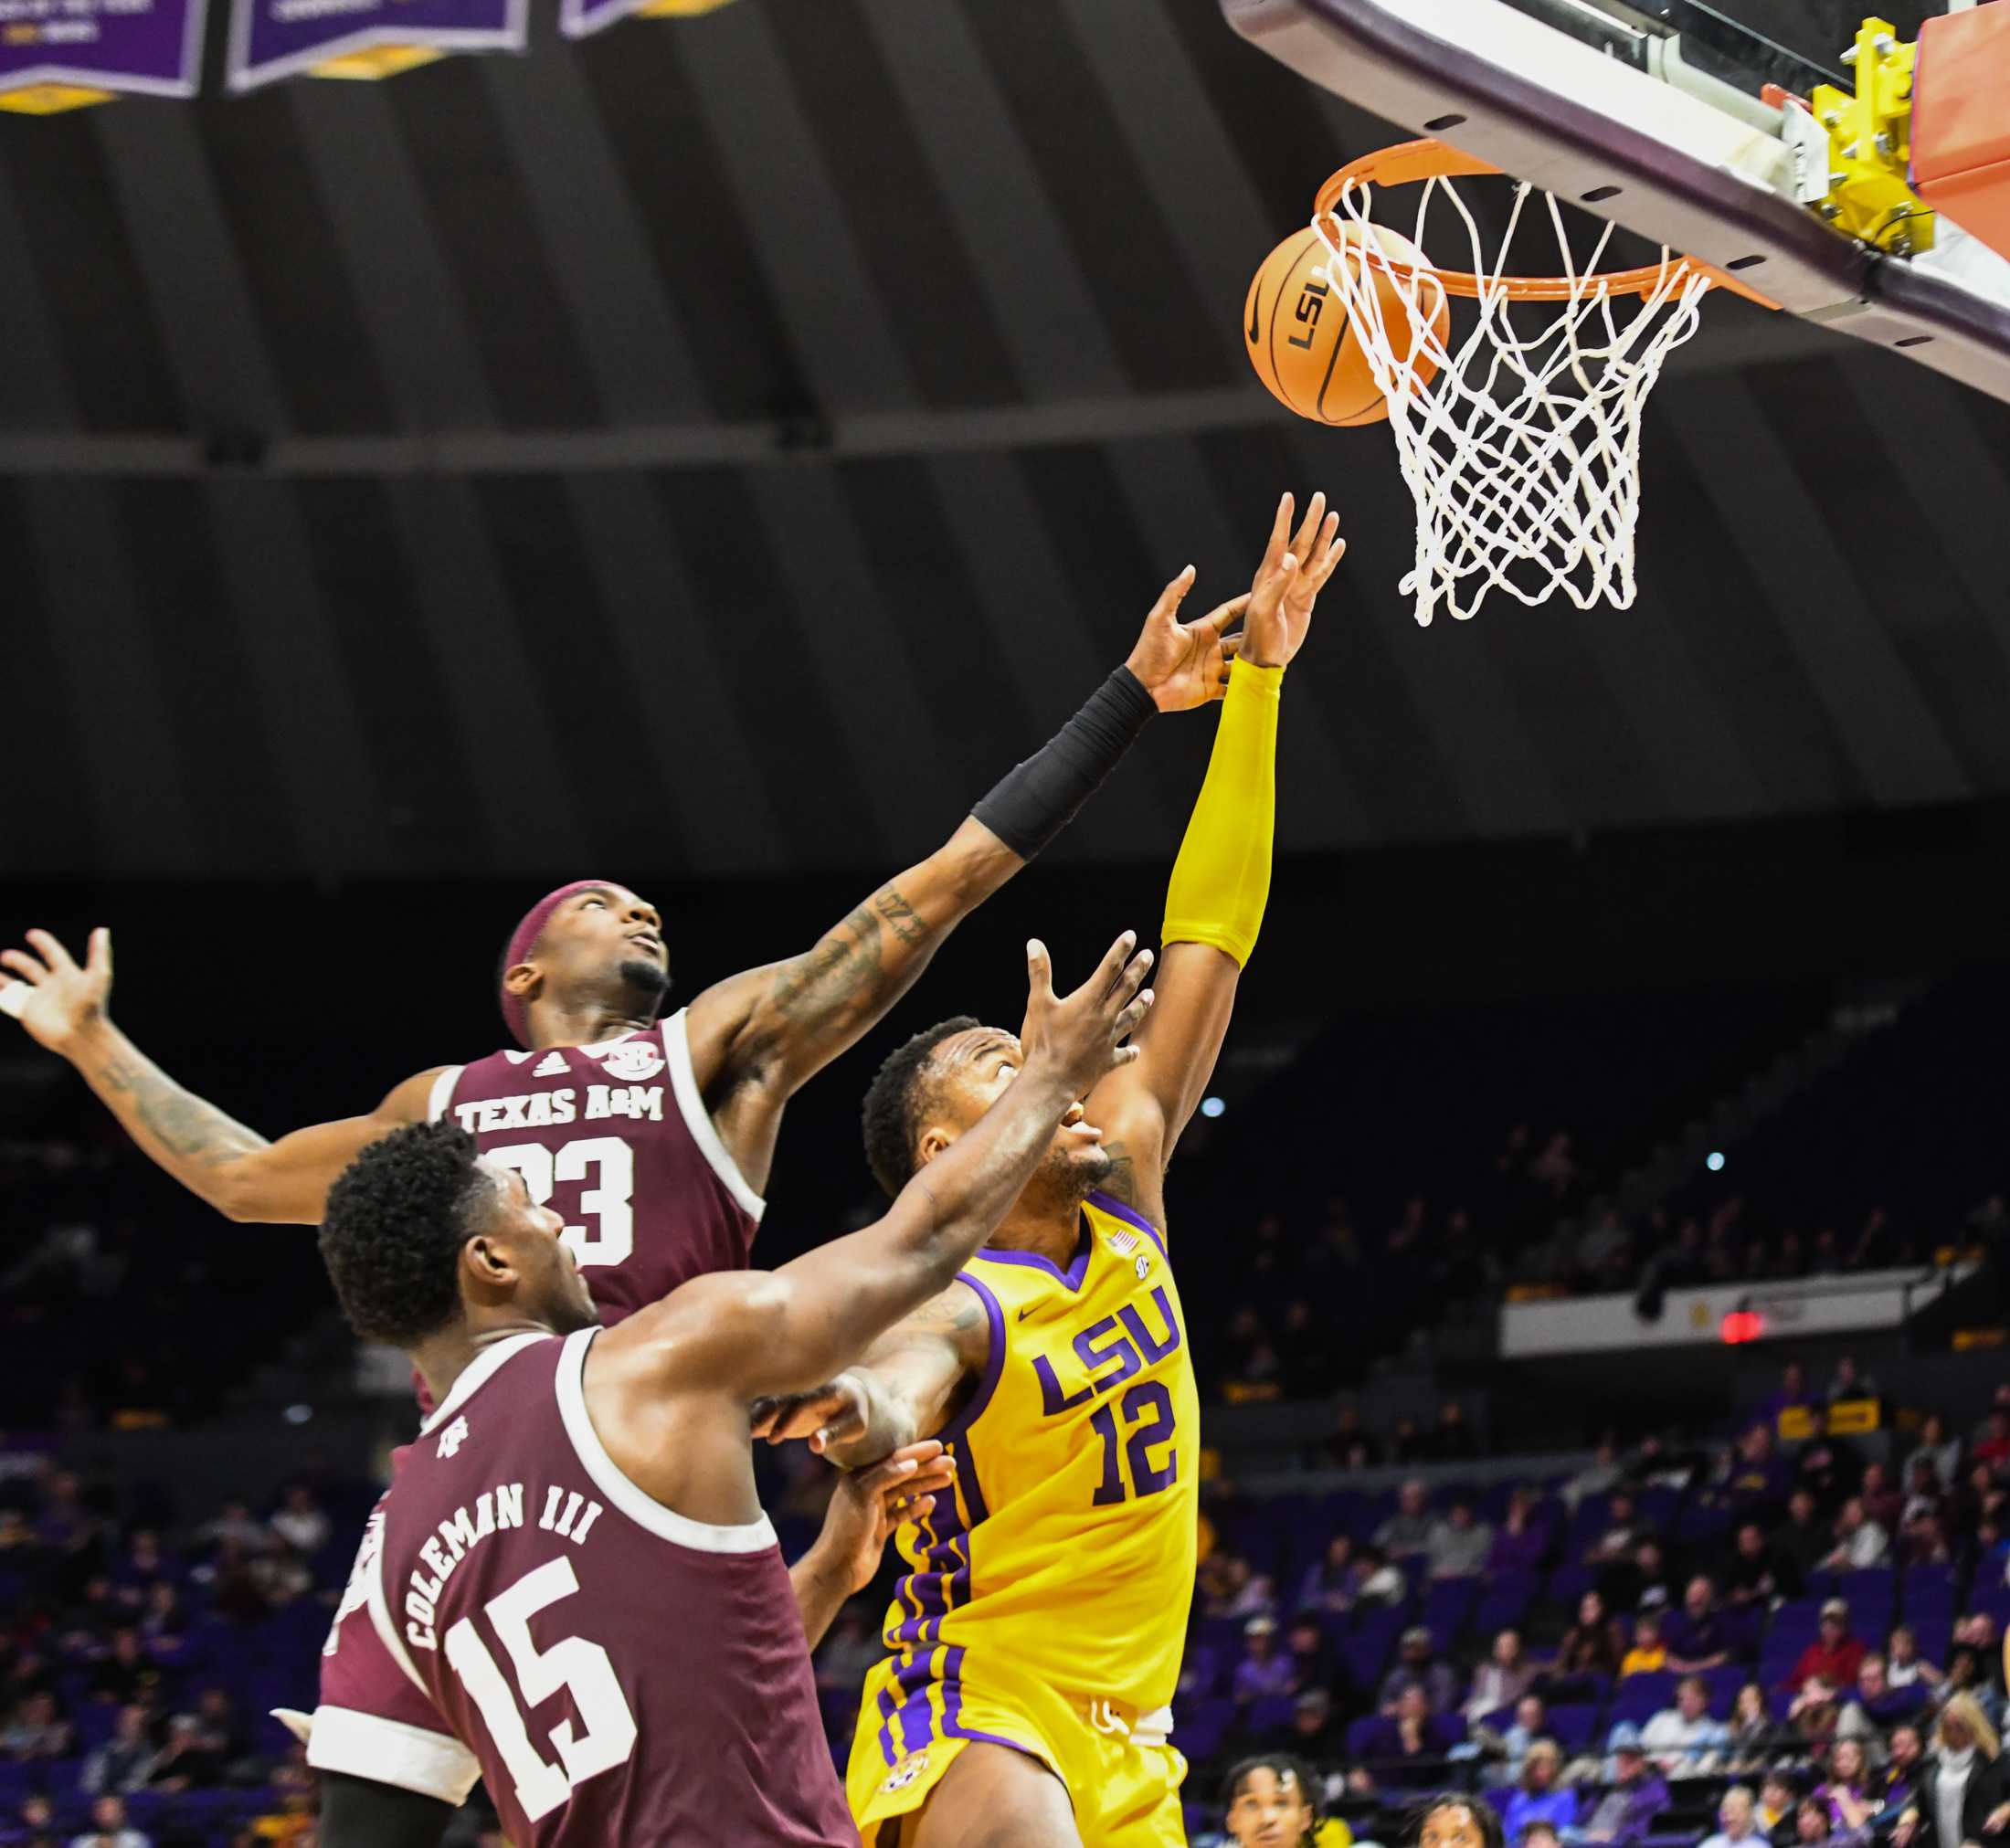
1299, 339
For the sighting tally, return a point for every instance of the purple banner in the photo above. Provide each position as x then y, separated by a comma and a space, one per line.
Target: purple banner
580, 18
153, 47
275, 39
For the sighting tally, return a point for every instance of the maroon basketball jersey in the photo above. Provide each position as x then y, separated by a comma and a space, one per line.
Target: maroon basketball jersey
613, 1671
615, 1138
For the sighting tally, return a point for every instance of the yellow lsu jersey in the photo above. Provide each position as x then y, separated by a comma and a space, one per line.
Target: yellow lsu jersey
1067, 1560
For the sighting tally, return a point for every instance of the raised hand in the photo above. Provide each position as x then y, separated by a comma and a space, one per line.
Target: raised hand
1081, 1036
55, 998
1294, 570
1185, 664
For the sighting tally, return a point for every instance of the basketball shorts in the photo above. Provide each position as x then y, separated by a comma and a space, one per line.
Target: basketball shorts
1120, 1771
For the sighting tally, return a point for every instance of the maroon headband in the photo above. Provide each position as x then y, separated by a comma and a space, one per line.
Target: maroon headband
524, 940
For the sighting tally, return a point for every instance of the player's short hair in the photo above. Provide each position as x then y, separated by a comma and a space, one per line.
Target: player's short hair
1486, 1818
895, 1101
1287, 1768
393, 1229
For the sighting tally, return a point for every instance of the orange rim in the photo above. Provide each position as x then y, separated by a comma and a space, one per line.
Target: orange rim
1410, 162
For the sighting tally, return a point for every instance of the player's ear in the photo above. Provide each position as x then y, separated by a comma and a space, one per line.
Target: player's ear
488, 1263
934, 1140
522, 980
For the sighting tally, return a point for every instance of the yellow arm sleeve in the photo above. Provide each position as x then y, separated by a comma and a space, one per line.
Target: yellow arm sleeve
1221, 882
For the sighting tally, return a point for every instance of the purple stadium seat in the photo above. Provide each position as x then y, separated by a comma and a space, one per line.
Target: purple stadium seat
1640, 1697
1270, 1717
1200, 1733
1572, 1727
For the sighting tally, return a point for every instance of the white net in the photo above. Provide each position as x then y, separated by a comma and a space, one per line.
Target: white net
1522, 452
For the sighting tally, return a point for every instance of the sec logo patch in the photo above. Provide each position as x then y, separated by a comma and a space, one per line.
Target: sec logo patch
633, 1060
905, 1773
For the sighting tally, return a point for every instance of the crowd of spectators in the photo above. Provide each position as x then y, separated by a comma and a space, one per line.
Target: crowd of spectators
1659, 1648
138, 1666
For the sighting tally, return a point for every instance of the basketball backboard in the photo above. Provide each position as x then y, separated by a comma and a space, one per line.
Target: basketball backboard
1655, 114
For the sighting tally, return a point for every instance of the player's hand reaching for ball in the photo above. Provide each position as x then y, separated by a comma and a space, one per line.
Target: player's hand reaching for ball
1294, 570
869, 1503
56, 999
1077, 1038
829, 1415
1185, 664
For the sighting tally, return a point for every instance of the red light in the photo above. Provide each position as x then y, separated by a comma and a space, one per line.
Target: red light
1743, 1324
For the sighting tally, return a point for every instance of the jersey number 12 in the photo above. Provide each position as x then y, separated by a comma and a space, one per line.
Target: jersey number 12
1146, 1408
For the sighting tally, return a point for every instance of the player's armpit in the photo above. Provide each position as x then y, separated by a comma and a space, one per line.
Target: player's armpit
357, 1814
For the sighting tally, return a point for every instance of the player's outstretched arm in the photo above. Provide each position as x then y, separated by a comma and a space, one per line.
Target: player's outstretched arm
756, 1335
359, 1813
1214, 904
66, 1006
757, 1037
865, 1508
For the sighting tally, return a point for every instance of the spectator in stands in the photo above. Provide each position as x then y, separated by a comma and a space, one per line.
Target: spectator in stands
1942, 1448
234, 1521
1847, 1789
1898, 1781
110, 1829
1378, 1579
1833, 1656
1271, 1801
1749, 1738
1329, 1585
1963, 1789
1418, 1666
1409, 1529
1698, 1634
1815, 1714
1811, 1823
1311, 1653
1860, 1542
201, 1744
1801, 1541
1230, 1588
143, 1566
1350, 1445
1264, 1670
1459, 1544
1874, 1704
1530, 1724
1450, 1439
1539, 1835
1925, 1496
1905, 1666
1522, 1541
1622, 1533
33, 1824
1777, 1799
1751, 1576
1502, 1680
1683, 1741
1590, 1646
1316, 1733
1403, 1749
125, 1762
1649, 1654
1883, 1505
126, 1674
1644, 1580
1637, 1796
1849, 1382
1792, 1396
1993, 1447
299, 1521
36, 1729
1538, 1796
1598, 1477
1828, 1467
1759, 1474
1737, 1820
1966, 1674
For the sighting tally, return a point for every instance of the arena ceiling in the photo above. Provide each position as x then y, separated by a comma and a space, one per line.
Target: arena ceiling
723, 445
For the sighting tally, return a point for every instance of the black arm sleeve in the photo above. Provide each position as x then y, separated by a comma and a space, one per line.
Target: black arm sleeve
357, 1814
1036, 800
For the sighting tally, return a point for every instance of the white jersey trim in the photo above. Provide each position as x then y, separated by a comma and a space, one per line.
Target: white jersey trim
666, 1524
476, 1374
437, 1104
364, 1745
683, 1083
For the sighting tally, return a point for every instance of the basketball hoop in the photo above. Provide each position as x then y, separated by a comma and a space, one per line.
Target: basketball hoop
1523, 451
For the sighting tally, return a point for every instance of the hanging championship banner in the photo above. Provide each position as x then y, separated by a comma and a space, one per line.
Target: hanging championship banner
62, 54
362, 38
582, 18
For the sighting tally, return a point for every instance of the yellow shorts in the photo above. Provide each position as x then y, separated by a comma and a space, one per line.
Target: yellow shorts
913, 1724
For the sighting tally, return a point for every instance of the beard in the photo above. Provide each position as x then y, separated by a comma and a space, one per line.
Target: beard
645, 981
1067, 1175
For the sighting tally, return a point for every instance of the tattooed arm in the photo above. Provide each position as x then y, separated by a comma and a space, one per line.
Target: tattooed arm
64, 1006
757, 1037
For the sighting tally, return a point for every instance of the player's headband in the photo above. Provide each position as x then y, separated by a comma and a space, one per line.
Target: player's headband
524, 940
